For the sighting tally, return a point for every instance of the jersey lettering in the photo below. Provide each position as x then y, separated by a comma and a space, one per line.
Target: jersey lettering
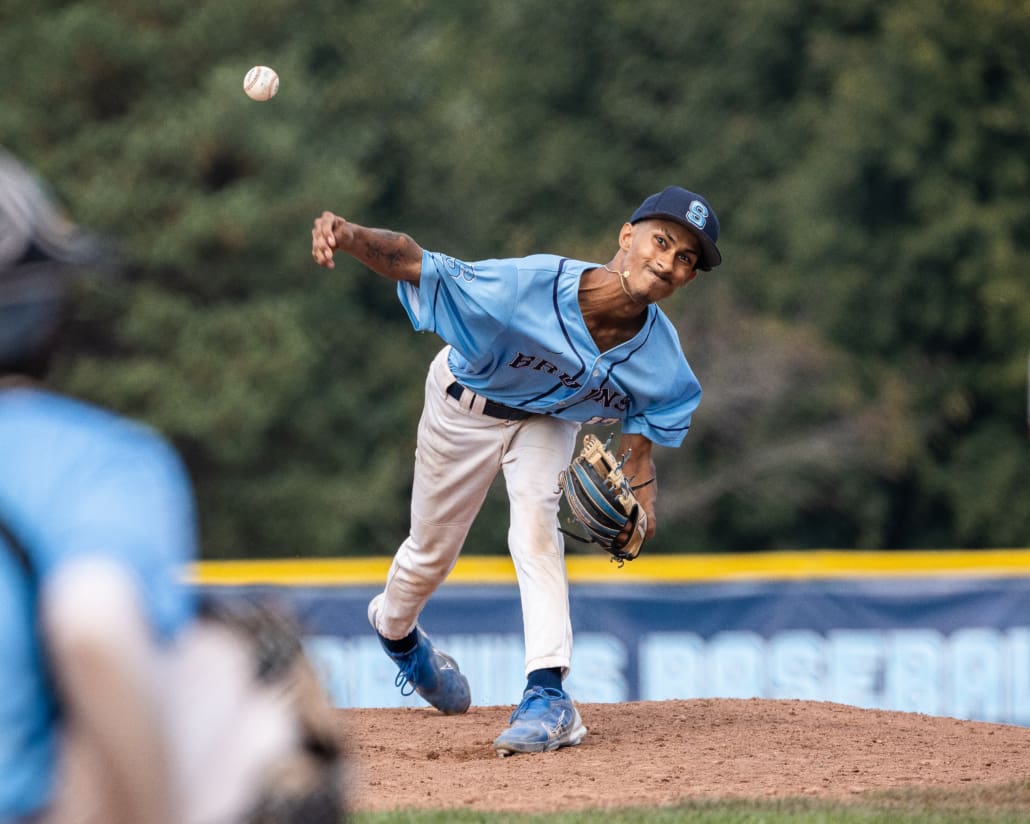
459, 269
609, 398
522, 360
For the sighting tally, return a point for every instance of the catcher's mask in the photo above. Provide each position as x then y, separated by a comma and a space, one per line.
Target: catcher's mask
40, 252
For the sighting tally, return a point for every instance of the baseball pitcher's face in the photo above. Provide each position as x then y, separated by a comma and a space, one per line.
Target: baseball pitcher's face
660, 256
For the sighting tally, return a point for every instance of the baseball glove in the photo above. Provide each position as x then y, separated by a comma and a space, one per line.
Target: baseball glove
602, 500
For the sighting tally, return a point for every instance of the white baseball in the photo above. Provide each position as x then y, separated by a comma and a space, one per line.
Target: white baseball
261, 83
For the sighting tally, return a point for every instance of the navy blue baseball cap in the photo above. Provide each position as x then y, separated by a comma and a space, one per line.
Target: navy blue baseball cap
690, 211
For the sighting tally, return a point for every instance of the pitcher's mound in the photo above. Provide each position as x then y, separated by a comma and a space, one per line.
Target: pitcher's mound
659, 753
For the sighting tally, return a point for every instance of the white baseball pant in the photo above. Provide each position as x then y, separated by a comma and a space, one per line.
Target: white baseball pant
459, 452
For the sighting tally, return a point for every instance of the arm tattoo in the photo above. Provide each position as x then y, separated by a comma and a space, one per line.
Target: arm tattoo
392, 254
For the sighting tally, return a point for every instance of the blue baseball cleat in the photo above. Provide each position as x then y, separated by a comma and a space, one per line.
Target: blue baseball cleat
544, 721
433, 675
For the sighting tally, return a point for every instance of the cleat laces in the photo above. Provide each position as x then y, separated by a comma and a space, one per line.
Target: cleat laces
405, 679
540, 695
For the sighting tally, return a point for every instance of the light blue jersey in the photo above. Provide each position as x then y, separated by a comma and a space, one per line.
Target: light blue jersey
75, 482
519, 338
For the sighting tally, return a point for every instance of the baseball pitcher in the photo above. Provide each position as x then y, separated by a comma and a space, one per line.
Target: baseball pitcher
535, 347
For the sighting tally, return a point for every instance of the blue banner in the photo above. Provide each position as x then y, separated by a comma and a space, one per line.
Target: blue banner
948, 646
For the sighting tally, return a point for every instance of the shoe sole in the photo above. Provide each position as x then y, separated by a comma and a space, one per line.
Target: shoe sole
574, 738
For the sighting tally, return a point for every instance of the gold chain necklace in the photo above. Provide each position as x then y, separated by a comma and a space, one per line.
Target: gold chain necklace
622, 281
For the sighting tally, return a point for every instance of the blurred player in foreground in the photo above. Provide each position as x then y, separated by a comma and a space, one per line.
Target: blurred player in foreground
536, 347
118, 702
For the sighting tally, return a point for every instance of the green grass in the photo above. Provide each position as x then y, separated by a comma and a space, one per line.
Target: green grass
998, 805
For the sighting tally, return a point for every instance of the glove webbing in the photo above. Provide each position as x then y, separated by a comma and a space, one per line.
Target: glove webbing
595, 489
584, 492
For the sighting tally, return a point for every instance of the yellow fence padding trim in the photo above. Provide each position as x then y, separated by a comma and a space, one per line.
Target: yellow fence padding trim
652, 569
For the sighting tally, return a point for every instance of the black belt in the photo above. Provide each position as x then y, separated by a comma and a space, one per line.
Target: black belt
491, 408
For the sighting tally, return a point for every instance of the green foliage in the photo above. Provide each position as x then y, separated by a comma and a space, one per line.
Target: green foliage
863, 349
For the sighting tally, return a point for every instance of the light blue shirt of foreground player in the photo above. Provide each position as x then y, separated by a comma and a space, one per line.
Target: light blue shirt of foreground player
519, 338
77, 482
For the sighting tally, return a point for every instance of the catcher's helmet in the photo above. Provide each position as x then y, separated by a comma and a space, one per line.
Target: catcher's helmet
40, 250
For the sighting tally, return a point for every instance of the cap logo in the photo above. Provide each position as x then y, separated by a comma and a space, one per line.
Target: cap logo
697, 213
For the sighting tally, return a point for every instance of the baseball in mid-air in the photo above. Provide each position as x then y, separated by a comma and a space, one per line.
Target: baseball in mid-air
261, 83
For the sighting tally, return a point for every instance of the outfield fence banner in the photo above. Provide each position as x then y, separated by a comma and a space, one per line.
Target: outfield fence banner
954, 644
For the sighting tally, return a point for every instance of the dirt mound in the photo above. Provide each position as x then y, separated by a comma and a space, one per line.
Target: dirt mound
665, 752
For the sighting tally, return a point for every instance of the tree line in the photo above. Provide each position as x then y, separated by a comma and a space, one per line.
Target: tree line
863, 349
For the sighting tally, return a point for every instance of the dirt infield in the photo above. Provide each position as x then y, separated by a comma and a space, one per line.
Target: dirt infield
662, 753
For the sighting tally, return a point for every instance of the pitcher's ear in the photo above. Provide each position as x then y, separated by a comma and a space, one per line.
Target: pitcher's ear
625, 236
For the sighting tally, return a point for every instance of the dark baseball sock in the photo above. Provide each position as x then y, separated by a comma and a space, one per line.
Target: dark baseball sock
402, 645
548, 678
